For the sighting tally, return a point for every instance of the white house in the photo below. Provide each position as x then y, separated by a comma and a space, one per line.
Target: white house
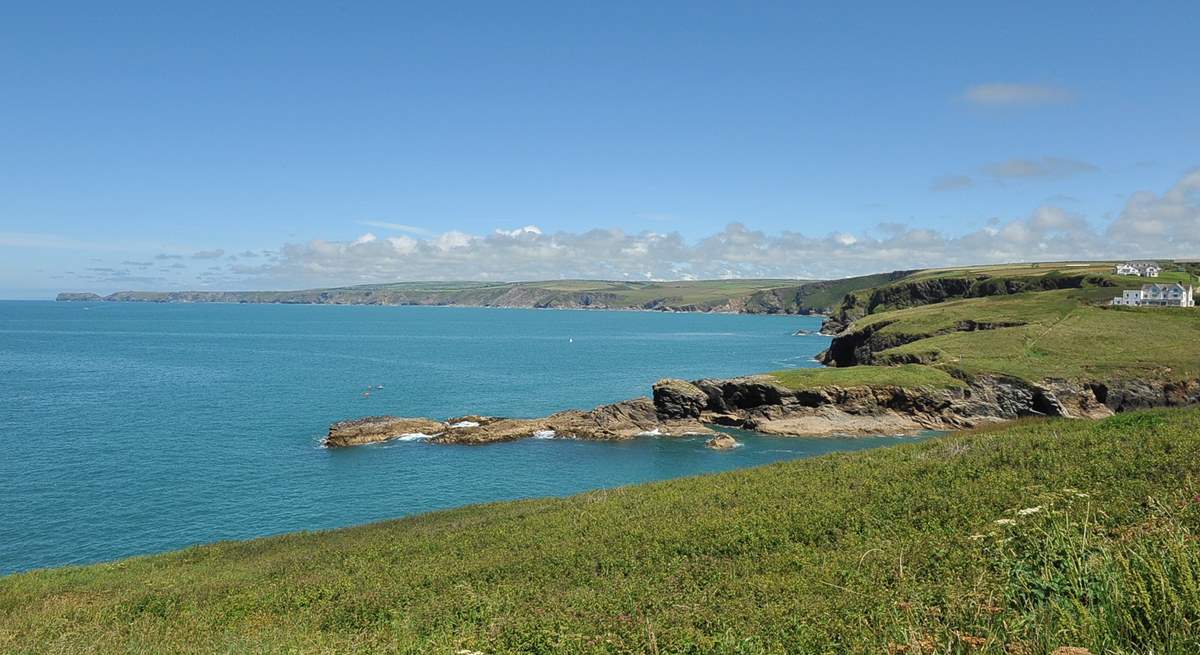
1157, 295
1140, 269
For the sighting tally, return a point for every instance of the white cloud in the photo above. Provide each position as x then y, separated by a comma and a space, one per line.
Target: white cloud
1000, 94
1172, 218
528, 229
1149, 226
208, 254
453, 240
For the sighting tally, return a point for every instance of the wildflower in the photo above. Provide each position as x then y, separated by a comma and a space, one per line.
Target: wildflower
1004, 522
1029, 510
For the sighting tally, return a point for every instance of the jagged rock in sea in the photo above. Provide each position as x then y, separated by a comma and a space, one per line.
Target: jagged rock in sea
722, 442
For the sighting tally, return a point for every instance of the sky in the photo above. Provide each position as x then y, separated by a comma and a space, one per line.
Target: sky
222, 146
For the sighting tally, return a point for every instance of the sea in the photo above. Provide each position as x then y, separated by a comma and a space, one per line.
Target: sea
130, 428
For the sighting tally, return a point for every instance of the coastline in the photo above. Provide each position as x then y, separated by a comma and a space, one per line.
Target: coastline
589, 308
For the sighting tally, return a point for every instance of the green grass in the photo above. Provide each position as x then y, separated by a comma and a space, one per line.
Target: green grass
1064, 336
890, 550
904, 375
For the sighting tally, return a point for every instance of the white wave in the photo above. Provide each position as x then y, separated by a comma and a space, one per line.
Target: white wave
545, 434
656, 432
414, 436
465, 424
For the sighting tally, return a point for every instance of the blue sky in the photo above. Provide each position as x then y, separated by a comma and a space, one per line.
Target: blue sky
311, 144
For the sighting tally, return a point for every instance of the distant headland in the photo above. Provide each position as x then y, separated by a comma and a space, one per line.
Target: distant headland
765, 296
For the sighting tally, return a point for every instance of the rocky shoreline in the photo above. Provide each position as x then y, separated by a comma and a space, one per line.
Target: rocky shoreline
761, 404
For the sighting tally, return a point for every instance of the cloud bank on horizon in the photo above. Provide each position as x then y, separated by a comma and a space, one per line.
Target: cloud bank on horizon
1149, 225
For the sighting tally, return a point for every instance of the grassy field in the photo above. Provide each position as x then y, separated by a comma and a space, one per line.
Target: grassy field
1064, 268
1018, 540
904, 375
1064, 336
931, 286
1062, 328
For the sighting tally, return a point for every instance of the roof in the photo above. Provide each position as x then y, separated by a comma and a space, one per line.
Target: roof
1164, 286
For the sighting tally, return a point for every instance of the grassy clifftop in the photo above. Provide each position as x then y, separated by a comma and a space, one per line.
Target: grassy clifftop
1067, 334
1022, 539
932, 286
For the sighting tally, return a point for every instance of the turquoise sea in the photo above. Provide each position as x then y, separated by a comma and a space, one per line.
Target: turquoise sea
136, 428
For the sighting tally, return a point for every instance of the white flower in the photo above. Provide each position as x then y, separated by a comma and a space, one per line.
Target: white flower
1029, 510
1004, 522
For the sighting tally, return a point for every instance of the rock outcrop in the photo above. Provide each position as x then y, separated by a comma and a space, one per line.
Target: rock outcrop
624, 420
762, 404
678, 399
722, 442
374, 429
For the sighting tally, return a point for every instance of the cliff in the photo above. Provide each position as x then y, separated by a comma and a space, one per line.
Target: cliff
762, 404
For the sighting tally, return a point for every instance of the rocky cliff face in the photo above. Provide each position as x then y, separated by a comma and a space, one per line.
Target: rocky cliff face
759, 403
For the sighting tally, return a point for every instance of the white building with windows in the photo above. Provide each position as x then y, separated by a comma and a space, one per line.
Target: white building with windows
1157, 295
1140, 269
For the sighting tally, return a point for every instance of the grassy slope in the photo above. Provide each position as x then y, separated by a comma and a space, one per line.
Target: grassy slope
843, 553
1064, 337
828, 294
858, 301
1066, 334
